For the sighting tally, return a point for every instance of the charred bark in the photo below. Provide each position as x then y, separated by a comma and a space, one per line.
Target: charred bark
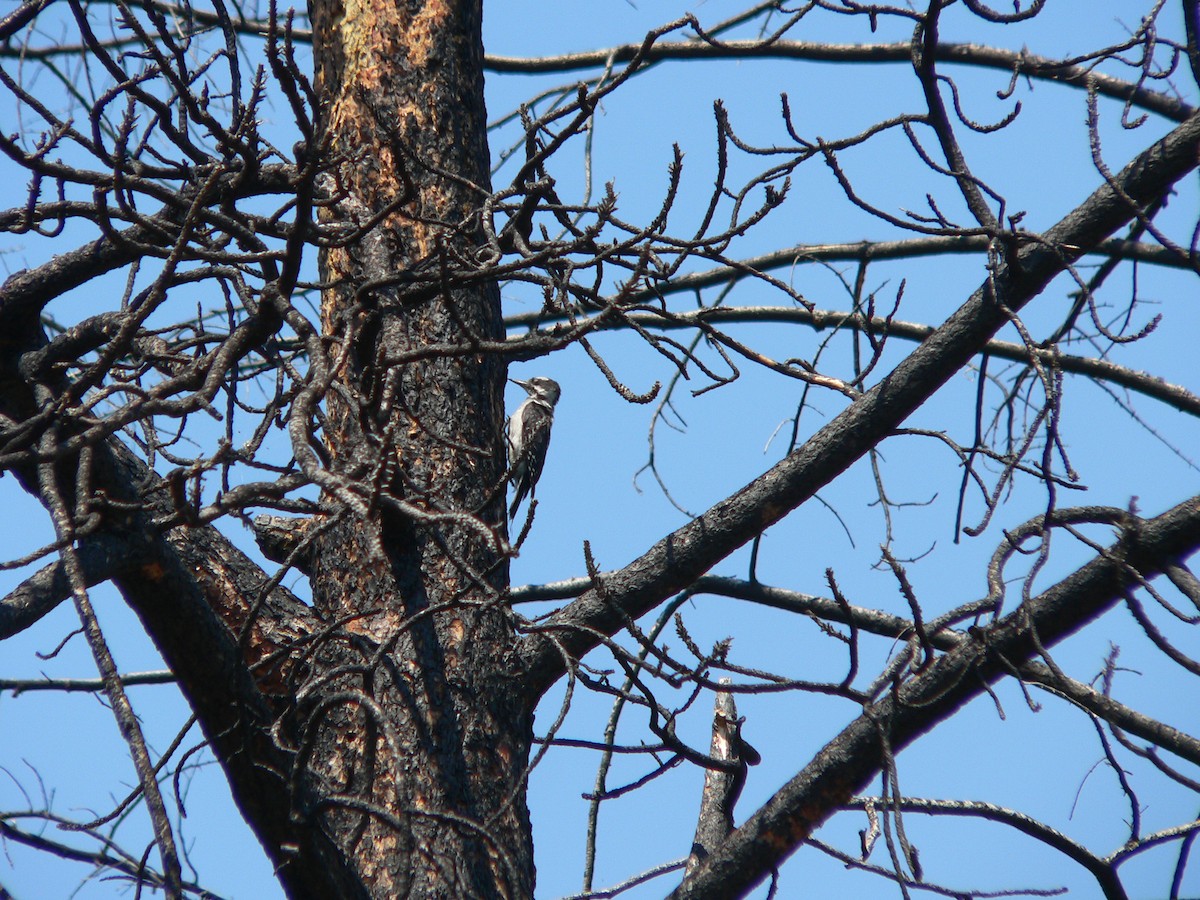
414, 726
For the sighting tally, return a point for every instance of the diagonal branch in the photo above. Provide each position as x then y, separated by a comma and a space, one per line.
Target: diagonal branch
848, 763
100, 557
682, 556
197, 594
111, 858
228, 635
876, 621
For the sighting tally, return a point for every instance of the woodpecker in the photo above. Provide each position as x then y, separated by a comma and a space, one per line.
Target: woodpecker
529, 436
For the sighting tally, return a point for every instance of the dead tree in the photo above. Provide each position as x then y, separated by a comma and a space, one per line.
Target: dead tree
298, 327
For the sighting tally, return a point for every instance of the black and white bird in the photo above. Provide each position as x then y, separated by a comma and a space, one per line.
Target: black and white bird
529, 436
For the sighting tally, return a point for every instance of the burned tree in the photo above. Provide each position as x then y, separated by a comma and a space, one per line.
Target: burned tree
296, 329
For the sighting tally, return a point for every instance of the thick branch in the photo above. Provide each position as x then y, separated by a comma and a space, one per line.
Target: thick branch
196, 594
40, 594
845, 765
721, 788
874, 621
681, 557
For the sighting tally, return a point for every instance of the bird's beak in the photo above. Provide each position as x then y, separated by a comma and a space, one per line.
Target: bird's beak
519, 383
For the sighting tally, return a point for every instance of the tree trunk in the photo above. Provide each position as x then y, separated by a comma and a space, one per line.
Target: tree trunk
412, 719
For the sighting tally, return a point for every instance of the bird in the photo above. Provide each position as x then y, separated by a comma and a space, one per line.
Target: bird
529, 435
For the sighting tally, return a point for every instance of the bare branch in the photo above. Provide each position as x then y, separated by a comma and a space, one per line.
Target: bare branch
848, 762
690, 551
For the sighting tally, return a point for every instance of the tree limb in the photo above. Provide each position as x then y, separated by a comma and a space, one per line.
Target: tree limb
846, 764
1101, 869
1020, 63
1173, 395
681, 557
